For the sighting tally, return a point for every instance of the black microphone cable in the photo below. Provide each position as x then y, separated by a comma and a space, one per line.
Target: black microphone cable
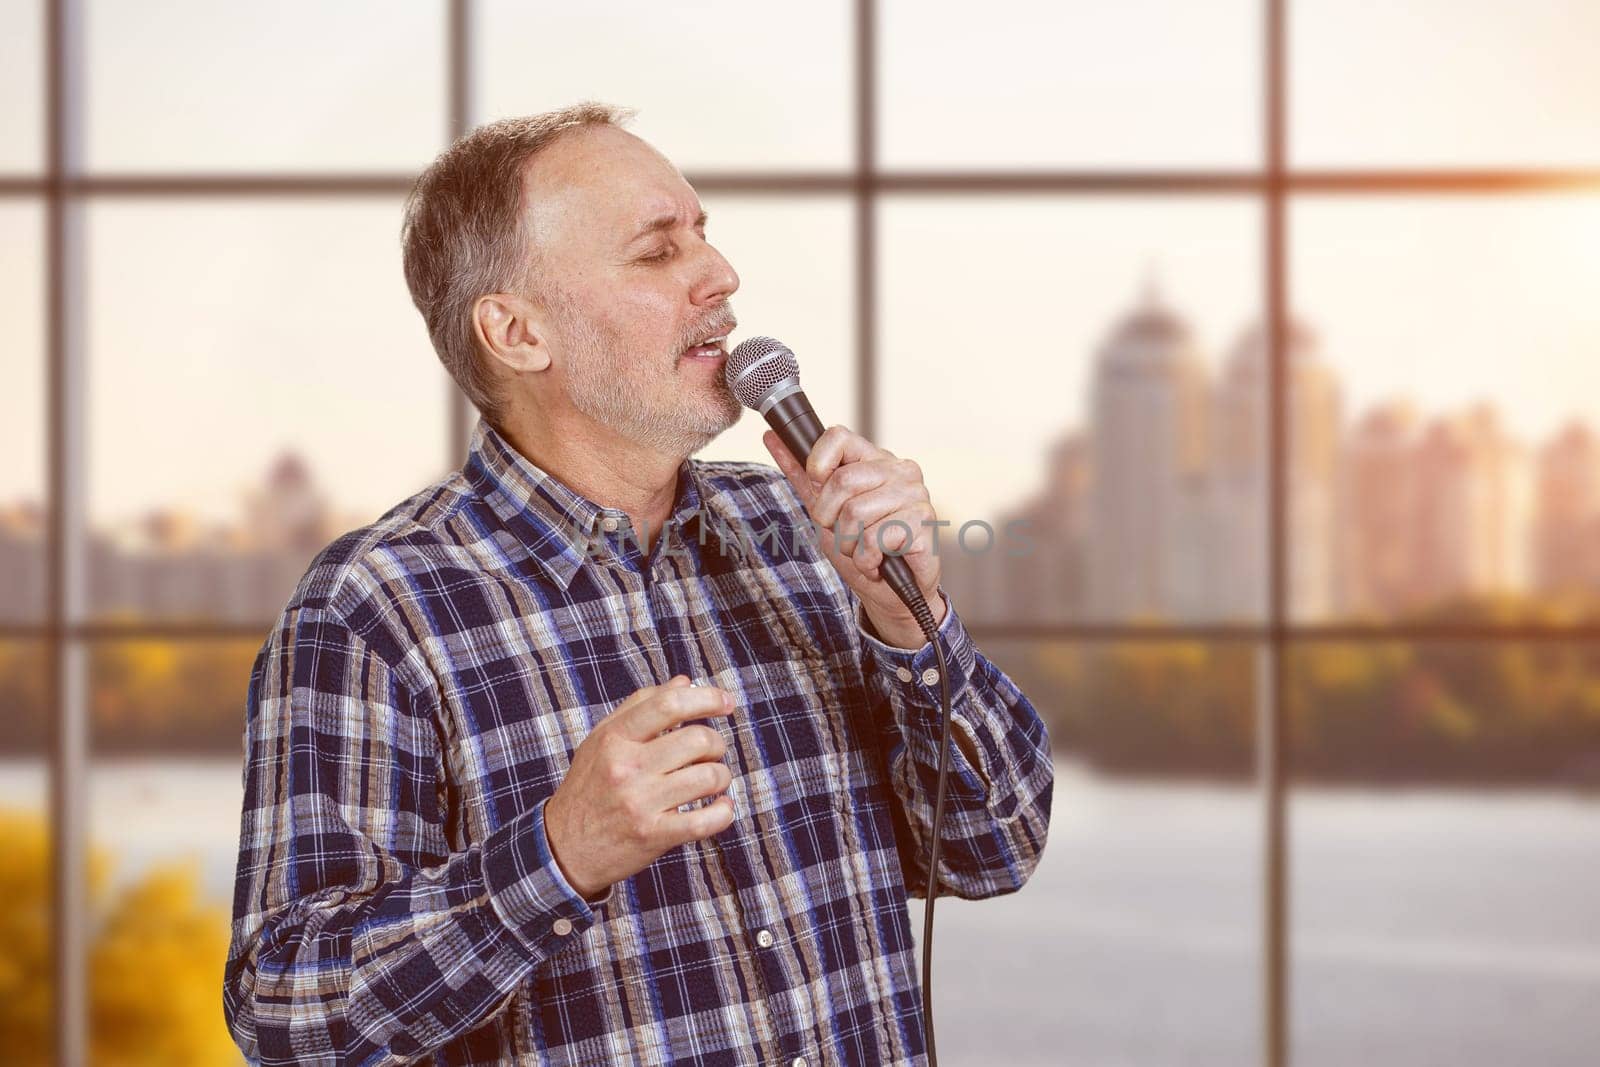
924, 617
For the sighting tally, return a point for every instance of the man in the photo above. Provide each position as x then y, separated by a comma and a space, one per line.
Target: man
473, 829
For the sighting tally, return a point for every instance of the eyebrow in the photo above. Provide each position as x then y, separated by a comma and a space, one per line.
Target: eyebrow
663, 222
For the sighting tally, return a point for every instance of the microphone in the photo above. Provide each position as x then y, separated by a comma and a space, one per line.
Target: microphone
764, 374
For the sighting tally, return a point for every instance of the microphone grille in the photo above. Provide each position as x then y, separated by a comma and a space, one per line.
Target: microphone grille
758, 366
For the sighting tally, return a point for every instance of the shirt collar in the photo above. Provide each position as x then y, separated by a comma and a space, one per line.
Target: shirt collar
556, 524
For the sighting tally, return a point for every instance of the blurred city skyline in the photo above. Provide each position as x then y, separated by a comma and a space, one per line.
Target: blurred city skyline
1449, 300
1153, 506
1446, 303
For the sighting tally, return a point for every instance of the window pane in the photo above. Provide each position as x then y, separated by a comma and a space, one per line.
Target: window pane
25, 998
717, 84
1066, 372
1464, 332
22, 416
1136, 84
1444, 83
299, 85
1137, 938
1454, 919
259, 384
22, 86
165, 796
796, 283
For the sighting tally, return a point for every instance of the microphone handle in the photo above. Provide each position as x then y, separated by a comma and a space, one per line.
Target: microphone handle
797, 425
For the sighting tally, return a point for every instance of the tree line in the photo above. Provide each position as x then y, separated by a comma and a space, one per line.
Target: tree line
1512, 711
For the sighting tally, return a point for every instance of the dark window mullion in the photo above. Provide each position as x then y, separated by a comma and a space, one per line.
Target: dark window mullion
459, 72
866, 191
65, 682
1272, 689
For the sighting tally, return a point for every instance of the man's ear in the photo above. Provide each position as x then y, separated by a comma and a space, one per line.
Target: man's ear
508, 328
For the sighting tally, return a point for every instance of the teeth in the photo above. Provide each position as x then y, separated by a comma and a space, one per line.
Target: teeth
711, 342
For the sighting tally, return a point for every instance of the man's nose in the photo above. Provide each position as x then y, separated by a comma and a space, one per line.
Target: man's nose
717, 279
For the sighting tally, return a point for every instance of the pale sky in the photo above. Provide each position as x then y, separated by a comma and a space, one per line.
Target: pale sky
222, 331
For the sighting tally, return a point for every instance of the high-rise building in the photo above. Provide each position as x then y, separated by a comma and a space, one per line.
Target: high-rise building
1147, 524
1567, 525
1475, 510
1036, 569
1241, 498
22, 569
1379, 502
288, 514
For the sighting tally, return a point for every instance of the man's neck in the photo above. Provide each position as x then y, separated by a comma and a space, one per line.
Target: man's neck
610, 470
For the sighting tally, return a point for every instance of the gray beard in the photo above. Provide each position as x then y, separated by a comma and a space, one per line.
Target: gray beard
602, 389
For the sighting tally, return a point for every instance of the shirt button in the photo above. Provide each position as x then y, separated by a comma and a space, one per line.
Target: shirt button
562, 926
764, 938
903, 673
798, 1061
608, 524
930, 676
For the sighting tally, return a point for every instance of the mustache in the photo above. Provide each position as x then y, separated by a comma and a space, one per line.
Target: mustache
723, 323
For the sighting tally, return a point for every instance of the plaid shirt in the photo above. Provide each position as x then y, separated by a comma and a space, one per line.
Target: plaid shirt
420, 698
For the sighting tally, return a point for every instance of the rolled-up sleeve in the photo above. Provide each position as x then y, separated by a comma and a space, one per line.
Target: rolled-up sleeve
1000, 776
359, 935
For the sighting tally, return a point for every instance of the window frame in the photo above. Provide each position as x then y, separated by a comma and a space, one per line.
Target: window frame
63, 189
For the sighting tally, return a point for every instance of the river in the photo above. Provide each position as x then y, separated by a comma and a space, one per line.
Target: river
1428, 926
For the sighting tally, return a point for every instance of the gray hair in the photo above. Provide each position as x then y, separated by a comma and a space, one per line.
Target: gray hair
464, 234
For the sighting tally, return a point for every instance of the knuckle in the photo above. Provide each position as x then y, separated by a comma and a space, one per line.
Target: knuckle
711, 742
616, 772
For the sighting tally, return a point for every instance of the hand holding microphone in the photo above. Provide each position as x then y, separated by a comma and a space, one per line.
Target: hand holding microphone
872, 507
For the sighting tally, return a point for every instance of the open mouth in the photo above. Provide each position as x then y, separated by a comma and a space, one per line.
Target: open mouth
710, 348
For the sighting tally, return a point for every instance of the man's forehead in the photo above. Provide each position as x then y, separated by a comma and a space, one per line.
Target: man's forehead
606, 183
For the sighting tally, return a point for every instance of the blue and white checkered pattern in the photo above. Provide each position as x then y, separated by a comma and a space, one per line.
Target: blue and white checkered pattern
420, 698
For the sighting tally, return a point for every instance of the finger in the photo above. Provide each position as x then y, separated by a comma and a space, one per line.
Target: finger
691, 783
792, 468
905, 533
698, 823
680, 748
639, 695
838, 445
668, 708
847, 483
861, 512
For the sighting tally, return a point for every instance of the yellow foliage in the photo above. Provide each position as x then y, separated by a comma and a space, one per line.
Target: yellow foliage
155, 961
156, 995
24, 939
